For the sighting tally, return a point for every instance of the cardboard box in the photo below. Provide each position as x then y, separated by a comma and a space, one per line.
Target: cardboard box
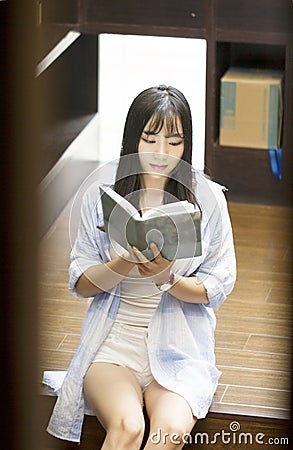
251, 108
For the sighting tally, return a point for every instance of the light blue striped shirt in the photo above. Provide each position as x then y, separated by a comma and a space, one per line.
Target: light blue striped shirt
180, 335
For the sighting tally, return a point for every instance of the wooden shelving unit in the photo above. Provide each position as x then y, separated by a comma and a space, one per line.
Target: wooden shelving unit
255, 33
68, 97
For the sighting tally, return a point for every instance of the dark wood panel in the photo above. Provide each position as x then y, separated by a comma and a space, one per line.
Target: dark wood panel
57, 11
19, 408
247, 174
48, 36
164, 13
68, 98
72, 78
269, 16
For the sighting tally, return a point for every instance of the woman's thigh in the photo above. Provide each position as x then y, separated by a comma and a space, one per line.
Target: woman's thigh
114, 394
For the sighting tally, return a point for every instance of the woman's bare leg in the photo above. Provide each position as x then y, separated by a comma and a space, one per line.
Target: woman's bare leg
115, 396
170, 418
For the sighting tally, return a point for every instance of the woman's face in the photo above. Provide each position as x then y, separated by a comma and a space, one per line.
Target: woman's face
159, 153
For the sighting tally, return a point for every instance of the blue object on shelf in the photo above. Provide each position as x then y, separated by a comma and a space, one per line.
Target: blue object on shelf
276, 162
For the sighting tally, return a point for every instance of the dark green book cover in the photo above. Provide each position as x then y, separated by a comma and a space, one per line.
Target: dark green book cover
173, 227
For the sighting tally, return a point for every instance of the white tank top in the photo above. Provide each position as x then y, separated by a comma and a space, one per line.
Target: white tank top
139, 296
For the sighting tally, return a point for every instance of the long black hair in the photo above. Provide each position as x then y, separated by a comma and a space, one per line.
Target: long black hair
164, 106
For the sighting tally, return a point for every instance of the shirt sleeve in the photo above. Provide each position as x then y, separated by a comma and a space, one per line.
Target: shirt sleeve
217, 271
86, 251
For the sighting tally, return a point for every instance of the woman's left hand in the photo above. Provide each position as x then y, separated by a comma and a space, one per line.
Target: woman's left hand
158, 268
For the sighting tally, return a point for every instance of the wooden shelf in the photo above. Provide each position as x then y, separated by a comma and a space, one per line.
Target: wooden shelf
68, 97
252, 37
263, 42
261, 16
251, 152
251, 33
246, 172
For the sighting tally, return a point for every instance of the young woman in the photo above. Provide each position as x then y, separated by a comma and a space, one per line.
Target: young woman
148, 337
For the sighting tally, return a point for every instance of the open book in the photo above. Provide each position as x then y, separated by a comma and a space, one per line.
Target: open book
173, 227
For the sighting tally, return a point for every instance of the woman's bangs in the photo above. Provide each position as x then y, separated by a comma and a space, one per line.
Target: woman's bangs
164, 117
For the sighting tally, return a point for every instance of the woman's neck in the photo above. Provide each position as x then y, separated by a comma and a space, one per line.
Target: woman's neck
150, 198
150, 181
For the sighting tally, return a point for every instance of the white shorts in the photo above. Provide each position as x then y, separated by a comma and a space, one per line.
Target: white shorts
126, 345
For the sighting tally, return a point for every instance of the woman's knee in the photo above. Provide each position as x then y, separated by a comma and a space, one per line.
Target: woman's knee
171, 433
127, 430
133, 426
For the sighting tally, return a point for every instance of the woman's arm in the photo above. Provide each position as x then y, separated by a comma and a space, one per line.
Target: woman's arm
91, 271
103, 277
190, 290
187, 289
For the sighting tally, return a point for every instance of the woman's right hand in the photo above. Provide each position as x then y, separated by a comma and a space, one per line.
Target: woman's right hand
158, 268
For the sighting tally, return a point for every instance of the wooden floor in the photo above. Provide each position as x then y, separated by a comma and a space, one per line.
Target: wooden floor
254, 325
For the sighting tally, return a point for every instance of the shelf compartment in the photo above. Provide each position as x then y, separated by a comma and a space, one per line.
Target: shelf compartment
247, 175
262, 56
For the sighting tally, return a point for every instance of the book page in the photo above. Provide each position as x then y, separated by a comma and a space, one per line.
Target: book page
170, 208
125, 204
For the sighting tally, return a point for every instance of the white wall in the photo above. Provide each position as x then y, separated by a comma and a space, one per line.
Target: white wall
130, 64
